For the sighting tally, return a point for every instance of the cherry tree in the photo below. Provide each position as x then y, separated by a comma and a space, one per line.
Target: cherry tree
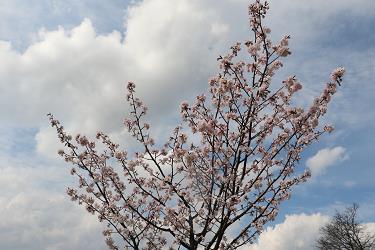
225, 169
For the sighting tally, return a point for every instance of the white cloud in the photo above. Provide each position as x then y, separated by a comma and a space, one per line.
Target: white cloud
325, 158
297, 232
35, 214
370, 228
169, 50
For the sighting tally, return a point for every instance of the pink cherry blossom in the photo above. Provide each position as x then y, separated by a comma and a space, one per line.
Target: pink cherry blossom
232, 161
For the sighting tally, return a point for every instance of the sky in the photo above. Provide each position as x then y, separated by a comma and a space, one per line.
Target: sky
72, 58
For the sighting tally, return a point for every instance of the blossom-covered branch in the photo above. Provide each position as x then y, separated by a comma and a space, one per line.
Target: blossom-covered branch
216, 193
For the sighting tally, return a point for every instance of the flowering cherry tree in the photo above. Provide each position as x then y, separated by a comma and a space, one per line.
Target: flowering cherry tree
223, 172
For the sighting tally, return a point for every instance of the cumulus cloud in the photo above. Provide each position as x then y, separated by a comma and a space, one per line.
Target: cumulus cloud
35, 214
297, 232
168, 49
80, 76
325, 158
370, 227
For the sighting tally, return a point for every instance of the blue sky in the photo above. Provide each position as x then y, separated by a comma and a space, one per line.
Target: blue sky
72, 58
